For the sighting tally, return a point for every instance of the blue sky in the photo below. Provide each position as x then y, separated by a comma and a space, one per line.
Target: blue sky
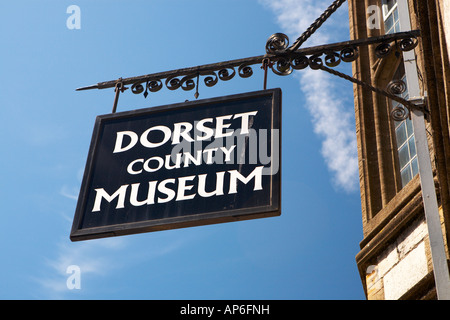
306, 253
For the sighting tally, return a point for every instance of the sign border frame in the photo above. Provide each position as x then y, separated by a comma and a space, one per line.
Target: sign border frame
193, 220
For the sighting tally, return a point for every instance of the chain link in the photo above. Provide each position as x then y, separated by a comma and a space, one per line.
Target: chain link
316, 25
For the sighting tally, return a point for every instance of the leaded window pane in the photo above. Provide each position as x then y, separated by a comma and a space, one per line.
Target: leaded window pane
406, 175
401, 134
403, 155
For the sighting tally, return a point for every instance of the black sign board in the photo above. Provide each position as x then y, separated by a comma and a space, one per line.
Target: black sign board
183, 165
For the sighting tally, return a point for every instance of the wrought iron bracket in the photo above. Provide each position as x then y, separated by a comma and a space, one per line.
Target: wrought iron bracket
279, 58
282, 60
287, 61
420, 104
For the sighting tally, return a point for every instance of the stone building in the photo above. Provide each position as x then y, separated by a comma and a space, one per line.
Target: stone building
394, 261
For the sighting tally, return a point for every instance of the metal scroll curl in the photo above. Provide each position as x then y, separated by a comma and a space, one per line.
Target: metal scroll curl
399, 113
225, 74
396, 87
173, 83
300, 62
137, 88
277, 43
245, 71
286, 61
315, 61
282, 67
211, 79
154, 85
349, 54
408, 44
332, 59
383, 50
188, 81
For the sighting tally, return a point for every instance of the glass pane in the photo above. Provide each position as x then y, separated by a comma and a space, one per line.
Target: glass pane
406, 175
409, 127
388, 24
415, 167
412, 147
391, 4
404, 131
405, 94
400, 132
403, 156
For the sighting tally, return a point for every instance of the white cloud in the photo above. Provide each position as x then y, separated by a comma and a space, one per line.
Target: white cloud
100, 258
91, 257
333, 123
296, 16
70, 193
331, 116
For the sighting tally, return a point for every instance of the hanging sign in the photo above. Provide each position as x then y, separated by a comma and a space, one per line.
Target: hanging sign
183, 165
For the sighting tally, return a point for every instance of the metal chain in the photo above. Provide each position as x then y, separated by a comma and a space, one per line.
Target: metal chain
316, 24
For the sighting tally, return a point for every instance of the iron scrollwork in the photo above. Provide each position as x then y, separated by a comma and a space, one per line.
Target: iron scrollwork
187, 81
282, 60
323, 58
152, 86
286, 61
399, 112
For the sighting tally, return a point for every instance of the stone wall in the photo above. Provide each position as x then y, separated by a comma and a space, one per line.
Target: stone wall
445, 9
401, 265
395, 261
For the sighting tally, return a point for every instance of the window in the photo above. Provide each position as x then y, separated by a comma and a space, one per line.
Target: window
406, 148
390, 16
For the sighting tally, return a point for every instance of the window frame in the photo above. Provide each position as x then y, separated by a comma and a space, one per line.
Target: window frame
411, 160
388, 13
